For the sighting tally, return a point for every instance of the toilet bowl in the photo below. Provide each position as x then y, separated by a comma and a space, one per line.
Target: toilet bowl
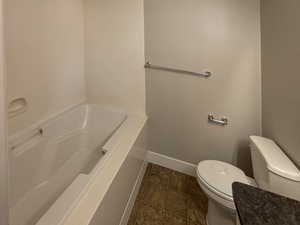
215, 178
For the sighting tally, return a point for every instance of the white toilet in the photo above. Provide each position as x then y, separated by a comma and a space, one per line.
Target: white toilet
273, 171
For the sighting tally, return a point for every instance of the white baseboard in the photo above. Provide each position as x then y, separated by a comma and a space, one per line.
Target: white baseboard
133, 195
171, 163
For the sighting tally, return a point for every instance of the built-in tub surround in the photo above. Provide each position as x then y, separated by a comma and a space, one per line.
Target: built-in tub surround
53, 162
44, 54
114, 54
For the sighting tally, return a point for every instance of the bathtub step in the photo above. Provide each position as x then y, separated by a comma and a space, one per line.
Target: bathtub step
62, 206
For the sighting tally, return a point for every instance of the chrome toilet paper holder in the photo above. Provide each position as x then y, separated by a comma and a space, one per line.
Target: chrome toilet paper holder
223, 121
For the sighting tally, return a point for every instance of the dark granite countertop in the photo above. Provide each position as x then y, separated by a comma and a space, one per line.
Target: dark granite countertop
259, 207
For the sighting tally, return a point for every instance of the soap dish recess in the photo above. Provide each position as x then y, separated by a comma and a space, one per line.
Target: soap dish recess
16, 107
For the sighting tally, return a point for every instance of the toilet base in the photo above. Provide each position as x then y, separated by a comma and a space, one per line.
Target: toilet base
219, 215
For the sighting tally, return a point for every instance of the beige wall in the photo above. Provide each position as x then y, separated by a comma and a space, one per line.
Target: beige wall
280, 73
224, 37
45, 56
3, 151
115, 54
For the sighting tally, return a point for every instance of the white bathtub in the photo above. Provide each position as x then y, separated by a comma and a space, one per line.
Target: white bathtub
53, 163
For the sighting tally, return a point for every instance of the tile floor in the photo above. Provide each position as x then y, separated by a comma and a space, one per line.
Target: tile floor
167, 197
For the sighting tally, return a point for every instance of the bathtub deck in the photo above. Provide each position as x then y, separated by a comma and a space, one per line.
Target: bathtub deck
167, 197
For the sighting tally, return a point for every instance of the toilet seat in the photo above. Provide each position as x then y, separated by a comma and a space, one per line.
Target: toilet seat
218, 177
213, 190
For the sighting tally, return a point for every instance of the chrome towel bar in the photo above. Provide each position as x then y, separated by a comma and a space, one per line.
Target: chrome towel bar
206, 74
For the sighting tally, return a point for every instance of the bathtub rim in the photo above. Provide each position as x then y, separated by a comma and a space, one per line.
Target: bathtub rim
112, 164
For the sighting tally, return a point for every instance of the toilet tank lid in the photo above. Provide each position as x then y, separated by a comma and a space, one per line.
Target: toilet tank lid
276, 160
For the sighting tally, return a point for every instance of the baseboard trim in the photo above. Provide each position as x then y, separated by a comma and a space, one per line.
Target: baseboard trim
172, 163
133, 195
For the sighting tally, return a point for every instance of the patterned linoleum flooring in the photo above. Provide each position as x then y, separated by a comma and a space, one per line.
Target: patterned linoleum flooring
167, 197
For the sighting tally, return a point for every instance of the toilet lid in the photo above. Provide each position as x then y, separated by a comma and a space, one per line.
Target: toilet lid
220, 175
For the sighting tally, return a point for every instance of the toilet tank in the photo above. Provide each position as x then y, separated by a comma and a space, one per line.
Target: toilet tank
273, 170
